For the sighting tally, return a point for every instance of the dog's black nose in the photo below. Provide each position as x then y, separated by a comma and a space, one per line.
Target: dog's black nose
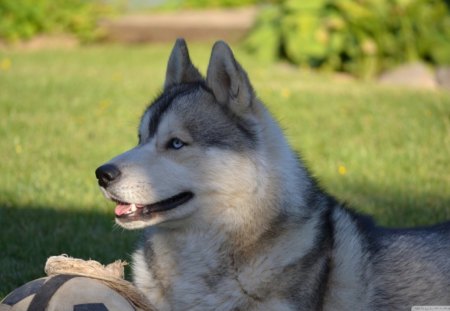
106, 174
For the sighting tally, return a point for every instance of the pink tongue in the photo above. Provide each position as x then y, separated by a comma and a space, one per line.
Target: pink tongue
122, 209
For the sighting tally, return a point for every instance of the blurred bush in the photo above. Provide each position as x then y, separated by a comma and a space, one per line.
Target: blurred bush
23, 19
362, 37
196, 4
215, 3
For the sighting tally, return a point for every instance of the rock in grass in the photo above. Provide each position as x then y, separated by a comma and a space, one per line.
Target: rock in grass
416, 75
443, 77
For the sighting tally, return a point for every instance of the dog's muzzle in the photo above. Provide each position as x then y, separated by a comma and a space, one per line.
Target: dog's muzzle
107, 174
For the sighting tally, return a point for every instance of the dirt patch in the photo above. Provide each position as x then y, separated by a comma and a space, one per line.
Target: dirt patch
230, 25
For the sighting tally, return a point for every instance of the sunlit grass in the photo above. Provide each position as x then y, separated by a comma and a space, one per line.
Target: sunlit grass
384, 151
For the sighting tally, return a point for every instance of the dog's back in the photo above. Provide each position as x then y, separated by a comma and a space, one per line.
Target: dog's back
411, 265
377, 268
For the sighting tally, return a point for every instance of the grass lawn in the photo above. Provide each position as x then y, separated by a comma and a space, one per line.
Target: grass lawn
385, 151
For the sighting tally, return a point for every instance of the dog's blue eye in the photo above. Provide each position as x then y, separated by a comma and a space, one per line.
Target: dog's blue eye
176, 143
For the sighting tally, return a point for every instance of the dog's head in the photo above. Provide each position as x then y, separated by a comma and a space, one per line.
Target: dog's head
196, 155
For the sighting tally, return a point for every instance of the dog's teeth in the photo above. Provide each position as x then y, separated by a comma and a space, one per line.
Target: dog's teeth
133, 207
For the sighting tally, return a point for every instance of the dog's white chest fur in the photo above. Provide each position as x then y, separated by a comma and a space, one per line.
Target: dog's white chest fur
196, 273
184, 274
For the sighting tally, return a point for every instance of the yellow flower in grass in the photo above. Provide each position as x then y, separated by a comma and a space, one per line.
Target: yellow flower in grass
5, 64
103, 106
18, 149
285, 93
342, 170
17, 145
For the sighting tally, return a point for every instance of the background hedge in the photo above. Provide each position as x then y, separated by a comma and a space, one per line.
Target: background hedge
362, 37
23, 19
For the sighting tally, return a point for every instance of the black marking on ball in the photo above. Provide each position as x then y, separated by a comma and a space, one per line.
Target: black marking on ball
45, 293
23, 292
90, 307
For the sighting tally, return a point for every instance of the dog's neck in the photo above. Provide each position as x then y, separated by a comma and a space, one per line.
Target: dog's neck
285, 190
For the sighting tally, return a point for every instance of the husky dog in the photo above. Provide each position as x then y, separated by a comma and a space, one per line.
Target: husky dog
233, 221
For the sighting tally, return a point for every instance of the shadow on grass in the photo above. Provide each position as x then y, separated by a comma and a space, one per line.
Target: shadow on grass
30, 234
393, 206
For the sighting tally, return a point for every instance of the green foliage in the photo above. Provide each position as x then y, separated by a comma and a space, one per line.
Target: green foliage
361, 37
265, 40
23, 19
196, 4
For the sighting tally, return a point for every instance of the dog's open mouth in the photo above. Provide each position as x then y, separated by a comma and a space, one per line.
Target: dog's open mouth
131, 211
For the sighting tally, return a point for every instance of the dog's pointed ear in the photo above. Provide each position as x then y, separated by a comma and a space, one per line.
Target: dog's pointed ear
179, 67
227, 79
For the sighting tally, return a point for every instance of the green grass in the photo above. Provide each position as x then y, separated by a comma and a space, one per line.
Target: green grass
65, 112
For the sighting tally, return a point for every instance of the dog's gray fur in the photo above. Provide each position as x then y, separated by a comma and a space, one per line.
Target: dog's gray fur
258, 233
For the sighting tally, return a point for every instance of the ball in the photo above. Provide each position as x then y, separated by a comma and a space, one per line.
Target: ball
65, 292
